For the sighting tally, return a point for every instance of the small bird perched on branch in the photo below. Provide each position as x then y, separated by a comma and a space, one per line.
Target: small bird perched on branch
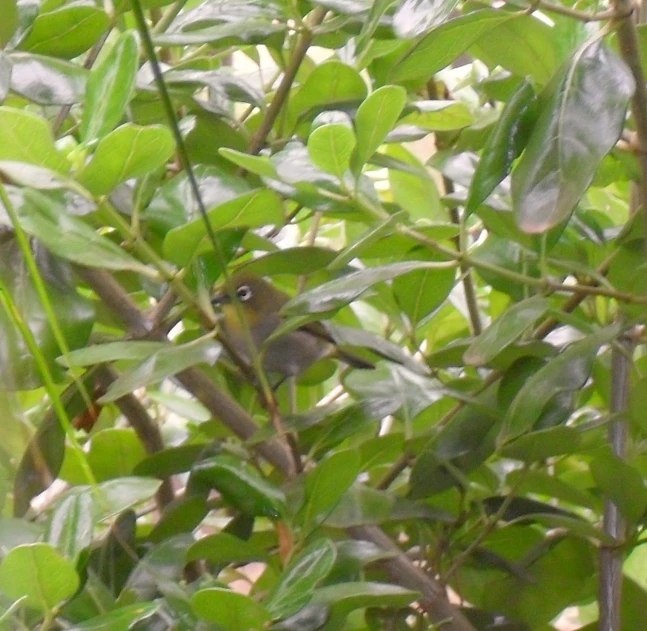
287, 355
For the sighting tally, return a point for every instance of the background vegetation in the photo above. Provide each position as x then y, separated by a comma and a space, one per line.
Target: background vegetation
458, 187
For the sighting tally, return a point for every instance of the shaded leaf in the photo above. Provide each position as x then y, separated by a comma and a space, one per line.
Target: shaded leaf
229, 610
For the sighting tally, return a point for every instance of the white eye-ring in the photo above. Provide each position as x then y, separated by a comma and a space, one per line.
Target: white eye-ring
244, 293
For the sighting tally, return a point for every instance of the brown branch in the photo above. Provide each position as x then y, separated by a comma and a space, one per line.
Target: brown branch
282, 92
145, 428
582, 16
612, 557
628, 43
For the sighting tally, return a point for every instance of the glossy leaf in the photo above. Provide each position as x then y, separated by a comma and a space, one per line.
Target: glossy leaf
70, 237
300, 579
375, 118
162, 364
566, 373
543, 444
257, 208
128, 151
331, 147
109, 352
360, 506
27, 138
71, 525
506, 329
67, 31
580, 122
47, 81
110, 87
505, 143
415, 17
339, 292
327, 483
240, 485
39, 574
445, 43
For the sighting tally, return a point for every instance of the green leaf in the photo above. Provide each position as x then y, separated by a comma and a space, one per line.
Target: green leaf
327, 483
163, 364
331, 147
183, 407
231, 611
110, 88
257, 208
260, 165
580, 123
110, 352
300, 578
71, 525
70, 237
360, 506
28, 138
223, 549
346, 597
114, 453
568, 372
505, 330
415, 17
9, 22
340, 292
543, 444
622, 483
183, 515
525, 46
121, 619
39, 574
170, 461
375, 118
416, 192
331, 83
439, 115
67, 31
115, 496
445, 43
503, 146
46, 80
240, 485
128, 151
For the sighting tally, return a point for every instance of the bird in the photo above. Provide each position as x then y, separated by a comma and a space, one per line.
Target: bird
288, 355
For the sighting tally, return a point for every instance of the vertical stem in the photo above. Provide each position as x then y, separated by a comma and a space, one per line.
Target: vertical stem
611, 558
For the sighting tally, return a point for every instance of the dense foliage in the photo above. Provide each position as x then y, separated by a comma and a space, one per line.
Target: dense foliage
456, 187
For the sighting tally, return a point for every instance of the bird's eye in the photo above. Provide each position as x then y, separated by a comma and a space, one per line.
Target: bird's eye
244, 293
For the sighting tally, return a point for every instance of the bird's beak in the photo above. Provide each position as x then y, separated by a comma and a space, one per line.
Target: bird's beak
221, 298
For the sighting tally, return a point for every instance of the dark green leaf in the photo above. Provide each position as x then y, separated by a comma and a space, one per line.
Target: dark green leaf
505, 143
9, 22
240, 485
566, 373
300, 579
579, 124
223, 549
505, 330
